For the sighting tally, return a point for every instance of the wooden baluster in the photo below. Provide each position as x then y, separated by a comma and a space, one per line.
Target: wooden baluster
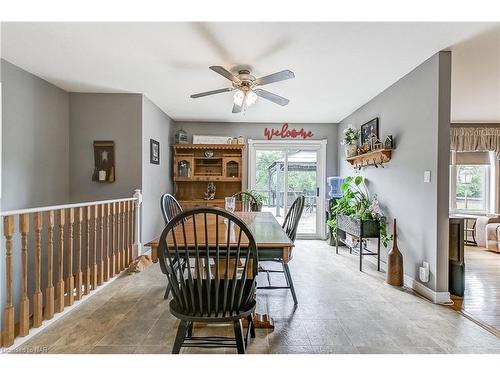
127, 243
100, 273
106, 241
125, 232
86, 275
49, 291
78, 273
24, 304
123, 248
112, 231
37, 296
59, 298
132, 231
117, 244
70, 281
94, 247
8, 315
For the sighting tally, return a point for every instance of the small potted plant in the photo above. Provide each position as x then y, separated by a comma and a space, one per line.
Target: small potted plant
259, 197
350, 141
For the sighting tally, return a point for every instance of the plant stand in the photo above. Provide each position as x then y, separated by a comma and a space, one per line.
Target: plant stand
361, 229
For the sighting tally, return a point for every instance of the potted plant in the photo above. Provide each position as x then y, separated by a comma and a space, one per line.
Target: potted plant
350, 141
357, 205
259, 197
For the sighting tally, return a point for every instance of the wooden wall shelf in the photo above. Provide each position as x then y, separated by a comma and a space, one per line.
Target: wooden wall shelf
375, 158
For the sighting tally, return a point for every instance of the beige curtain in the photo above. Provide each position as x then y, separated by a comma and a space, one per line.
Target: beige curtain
475, 139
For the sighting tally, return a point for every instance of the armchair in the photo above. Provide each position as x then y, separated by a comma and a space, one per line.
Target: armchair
480, 232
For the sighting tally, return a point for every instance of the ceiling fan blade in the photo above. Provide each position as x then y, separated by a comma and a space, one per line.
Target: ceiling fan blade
237, 108
225, 73
206, 93
272, 97
275, 77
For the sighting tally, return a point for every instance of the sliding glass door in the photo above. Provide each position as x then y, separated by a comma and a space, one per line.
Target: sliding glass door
282, 171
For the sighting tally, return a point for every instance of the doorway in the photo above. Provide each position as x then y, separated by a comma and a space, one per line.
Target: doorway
281, 171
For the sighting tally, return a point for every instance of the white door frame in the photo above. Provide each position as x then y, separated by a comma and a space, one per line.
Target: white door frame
318, 145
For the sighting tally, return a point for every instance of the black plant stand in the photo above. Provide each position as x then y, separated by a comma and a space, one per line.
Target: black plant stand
362, 229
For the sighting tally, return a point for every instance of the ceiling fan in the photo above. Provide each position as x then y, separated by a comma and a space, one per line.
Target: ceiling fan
246, 86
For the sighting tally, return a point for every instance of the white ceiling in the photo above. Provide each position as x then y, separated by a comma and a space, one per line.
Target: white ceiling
338, 66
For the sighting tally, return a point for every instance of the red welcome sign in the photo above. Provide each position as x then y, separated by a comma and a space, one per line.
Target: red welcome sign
285, 133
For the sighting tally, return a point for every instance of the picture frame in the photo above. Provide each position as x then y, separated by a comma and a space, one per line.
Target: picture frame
369, 128
154, 152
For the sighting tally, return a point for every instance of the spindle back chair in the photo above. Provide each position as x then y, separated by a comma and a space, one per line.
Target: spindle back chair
170, 207
211, 288
290, 225
246, 202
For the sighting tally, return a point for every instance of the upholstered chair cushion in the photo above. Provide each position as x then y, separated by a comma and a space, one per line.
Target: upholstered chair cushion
481, 224
493, 237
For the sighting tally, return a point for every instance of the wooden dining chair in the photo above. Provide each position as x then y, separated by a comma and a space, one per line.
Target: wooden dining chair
290, 225
202, 292
170, 207
246, 202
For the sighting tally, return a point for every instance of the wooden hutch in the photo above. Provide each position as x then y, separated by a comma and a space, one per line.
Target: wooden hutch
195, 165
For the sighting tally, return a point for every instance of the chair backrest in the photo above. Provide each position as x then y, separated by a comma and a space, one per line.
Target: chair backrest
170, 207
292, 218
246, 202
200, 251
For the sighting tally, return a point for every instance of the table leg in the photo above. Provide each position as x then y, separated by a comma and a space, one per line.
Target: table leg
154, 254
261, 321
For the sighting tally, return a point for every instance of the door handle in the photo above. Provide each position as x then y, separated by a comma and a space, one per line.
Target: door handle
317, 191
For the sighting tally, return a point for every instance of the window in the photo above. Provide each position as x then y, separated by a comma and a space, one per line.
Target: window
469, 188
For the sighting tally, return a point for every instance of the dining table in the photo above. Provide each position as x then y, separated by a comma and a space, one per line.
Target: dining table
271, 240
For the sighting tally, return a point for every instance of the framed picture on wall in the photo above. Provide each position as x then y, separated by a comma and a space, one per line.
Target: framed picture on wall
154, 151
369, 128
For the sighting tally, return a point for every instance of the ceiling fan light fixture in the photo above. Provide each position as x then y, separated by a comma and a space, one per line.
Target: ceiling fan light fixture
251, 98
238, 97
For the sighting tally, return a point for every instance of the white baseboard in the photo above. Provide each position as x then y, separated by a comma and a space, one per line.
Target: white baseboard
442, 298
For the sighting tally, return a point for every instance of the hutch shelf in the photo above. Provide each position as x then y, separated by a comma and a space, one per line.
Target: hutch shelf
195, 165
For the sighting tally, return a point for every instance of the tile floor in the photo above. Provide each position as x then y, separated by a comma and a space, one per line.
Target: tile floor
340, 311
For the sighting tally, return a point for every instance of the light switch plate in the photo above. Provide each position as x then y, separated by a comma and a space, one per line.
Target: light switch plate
427, 176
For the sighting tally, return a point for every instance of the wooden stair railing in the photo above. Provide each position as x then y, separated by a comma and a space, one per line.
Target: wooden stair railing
93, 242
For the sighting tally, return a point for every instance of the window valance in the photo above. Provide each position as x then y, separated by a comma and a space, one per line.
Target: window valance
475, 139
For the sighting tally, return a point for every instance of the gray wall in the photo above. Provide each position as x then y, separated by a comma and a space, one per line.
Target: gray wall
35, 149
156, 179
415, 110
116, 117
35, 152
256, 131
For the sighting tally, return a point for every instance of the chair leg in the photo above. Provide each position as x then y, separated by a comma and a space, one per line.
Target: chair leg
238, 334
181, 335
167, 291
190, 330
289, 277
251, 327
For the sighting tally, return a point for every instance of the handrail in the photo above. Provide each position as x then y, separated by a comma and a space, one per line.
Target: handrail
93, 241
62, 206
